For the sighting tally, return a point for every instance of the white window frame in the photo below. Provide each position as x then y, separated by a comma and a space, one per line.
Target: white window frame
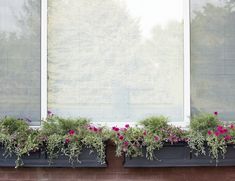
187, 105
186, 78
43, 59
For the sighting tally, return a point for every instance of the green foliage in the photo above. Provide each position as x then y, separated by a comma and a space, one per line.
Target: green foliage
69, 136
203, 123
61, 126
54, 144
217, 146
18, 139
128, 140
152, 134
207, 130
154, 123
59, 136
197, 143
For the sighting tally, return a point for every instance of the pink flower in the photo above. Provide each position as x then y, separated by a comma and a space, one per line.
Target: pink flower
227, 137
123, 129
215, 113
127, 126
95, 129
121, 137
115, 128
209, 132
71, 132
126, 143
232, 126
156, 138
220, 128
145, 133
225, 130
217, 133
67, 140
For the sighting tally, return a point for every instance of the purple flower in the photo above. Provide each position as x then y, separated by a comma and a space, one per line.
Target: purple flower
127, 126
215, 113
95, 129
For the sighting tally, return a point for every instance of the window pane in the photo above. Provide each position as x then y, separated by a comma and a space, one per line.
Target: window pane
20, 59
116, 60
213, 57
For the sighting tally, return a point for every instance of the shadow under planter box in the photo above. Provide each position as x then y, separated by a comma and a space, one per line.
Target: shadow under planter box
87, 158
39, 159
176, 155
206, 160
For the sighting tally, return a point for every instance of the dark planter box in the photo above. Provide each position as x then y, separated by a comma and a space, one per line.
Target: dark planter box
39, 159
176, 155
205, 160
35, 159
86, 159
179, 155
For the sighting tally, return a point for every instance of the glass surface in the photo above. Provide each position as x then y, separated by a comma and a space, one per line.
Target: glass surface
213, 57
115, 60
20, 59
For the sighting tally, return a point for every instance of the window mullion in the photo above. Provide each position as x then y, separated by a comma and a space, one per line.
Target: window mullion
186, 62
43, 59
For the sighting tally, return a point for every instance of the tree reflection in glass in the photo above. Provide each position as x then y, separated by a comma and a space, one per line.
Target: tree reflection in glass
20, 59
213, 57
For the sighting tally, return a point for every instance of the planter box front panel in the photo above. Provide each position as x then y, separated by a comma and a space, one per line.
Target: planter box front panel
39, 159
205, 160
179, 155
35, 159
168, 156
87, 158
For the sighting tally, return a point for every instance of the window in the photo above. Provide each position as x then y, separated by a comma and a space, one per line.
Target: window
213, 57
20, 59
117, 60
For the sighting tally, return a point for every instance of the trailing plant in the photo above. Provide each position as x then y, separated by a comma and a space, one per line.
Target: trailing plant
128, 140
69, 136
207, 130
199, 126
218, 139
18, 139
204, 122
196, 142
151, 133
